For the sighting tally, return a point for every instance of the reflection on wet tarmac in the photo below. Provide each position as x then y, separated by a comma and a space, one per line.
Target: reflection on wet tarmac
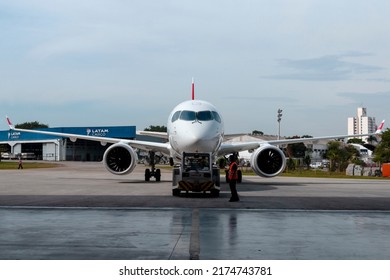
309, 235
184, 233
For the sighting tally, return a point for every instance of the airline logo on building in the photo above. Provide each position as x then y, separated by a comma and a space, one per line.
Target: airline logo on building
13, 135
100, 132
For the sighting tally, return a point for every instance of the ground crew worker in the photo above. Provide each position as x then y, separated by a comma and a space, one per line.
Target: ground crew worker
20, 163
233, 177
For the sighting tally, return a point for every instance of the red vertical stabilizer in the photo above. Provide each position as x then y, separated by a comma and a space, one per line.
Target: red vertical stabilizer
193, 89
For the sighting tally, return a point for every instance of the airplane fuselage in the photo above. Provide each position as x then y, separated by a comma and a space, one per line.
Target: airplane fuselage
195, 126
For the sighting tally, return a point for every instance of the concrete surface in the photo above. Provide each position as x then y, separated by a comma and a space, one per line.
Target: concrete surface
80, 211
90, 185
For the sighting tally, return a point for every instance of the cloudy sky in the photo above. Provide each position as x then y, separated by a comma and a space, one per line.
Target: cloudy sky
117, 62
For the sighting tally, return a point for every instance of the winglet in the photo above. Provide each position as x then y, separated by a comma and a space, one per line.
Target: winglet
11, 126
380, 127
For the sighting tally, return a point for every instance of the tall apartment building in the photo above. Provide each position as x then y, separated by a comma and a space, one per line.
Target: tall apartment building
361, 124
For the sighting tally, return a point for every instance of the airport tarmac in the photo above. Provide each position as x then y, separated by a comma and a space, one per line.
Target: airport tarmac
80, 211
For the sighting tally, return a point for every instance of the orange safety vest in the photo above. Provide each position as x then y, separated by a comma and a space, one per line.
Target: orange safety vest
233, 174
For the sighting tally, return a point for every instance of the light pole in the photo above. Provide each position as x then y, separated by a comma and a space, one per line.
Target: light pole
279, 119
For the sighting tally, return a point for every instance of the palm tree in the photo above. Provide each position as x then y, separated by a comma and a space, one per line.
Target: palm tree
333, 154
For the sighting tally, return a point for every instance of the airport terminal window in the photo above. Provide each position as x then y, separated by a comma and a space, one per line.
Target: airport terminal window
175, 116
188, 116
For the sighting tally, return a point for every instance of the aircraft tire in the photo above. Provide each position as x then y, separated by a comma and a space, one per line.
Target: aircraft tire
147, 175
176, 192
214, 193
158, 175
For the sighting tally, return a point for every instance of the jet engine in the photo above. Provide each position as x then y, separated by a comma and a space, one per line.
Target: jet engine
268, 161
120, 159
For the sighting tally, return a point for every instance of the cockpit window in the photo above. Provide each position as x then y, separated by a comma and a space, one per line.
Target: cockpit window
175, 116
216, 116
204, 116
188, 116
200, 116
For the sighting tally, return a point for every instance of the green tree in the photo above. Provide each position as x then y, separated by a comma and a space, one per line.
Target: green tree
340, 155
290, 164
31, 125
350, 155
355, 141
156, 128
382, 151
296, 150
257, 133
307, 161
333, 154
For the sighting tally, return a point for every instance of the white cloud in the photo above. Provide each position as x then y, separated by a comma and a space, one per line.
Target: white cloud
325, 68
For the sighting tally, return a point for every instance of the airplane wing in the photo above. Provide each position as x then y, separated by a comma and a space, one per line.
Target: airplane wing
162, 135
143, 145
227, 148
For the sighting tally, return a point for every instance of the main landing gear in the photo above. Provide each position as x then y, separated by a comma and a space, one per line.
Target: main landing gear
152, 172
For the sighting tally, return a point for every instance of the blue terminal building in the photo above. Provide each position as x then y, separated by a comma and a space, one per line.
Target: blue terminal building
55, 148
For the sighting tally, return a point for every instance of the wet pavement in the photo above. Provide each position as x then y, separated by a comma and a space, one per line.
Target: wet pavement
216, 234
80, 212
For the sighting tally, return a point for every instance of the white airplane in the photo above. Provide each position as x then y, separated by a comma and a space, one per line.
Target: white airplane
194, 126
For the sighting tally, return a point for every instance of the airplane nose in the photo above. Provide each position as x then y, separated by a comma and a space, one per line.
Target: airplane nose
199, 141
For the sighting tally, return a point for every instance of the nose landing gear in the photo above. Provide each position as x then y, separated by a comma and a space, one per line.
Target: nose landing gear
152, 172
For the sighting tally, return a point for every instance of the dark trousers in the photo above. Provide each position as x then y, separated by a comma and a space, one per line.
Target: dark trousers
233, 189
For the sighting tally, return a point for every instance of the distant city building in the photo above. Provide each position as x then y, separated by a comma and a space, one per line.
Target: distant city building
361, 124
